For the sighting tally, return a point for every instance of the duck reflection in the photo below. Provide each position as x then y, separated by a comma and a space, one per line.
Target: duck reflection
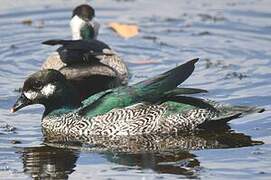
46, 162
163, 154
180, 162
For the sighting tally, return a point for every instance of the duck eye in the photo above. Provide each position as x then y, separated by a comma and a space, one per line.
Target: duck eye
37, 85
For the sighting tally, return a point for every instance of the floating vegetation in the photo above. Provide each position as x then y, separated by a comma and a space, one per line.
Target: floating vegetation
124, 30
236, 75
27, 22
30, 22
208, 17
204, 33
18, 90
15, 142
219, 63
7, 128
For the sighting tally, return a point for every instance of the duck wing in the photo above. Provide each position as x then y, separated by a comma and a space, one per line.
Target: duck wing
80, 51
152, 90
157, 87
87, 45
146, 106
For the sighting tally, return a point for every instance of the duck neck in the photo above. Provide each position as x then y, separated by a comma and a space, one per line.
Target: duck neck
68, 101
87, 33
81, 29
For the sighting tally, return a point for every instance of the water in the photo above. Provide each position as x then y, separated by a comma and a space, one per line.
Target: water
233, 40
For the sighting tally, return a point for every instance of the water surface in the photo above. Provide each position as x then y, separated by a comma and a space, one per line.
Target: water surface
233, 40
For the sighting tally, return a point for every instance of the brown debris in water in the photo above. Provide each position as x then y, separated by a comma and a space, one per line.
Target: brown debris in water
124, 30
30, 22
27, 22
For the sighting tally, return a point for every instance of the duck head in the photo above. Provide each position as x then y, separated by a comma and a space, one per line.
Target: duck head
47, 87
83, 25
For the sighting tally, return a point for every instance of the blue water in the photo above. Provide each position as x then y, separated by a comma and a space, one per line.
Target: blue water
233, 41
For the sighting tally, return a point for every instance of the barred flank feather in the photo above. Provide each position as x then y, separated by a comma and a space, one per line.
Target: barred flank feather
138, 119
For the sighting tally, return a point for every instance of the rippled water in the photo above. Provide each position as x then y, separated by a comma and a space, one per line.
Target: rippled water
233, 40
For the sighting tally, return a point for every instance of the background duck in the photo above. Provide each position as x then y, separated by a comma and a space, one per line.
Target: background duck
153, 106
87, 63
84, 27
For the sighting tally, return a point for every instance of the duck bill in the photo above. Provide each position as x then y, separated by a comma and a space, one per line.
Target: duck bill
21, 102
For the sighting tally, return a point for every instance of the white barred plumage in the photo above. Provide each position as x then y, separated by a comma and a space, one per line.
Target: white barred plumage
133, 120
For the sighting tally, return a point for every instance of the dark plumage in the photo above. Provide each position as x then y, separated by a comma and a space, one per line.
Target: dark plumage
84, 11
80, 51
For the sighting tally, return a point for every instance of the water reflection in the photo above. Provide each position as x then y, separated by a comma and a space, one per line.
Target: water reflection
46, 162
169, 162
163, 154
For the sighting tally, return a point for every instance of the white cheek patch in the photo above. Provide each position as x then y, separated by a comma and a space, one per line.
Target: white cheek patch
31, 95
48, 90
76, 24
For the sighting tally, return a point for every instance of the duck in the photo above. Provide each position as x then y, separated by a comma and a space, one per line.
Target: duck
90, 62
83, 26
153, 106
109, 67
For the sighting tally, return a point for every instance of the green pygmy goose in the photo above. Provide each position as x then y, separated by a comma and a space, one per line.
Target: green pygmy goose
153, 106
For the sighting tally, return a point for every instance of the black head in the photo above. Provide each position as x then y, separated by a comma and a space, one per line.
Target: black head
82, 24
84, 11
40, 88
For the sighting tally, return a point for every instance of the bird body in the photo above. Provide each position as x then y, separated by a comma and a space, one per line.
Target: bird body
153, 106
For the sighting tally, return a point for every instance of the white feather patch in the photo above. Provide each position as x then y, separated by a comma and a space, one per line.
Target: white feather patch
48, 90
108, 51
31, 95
76, 24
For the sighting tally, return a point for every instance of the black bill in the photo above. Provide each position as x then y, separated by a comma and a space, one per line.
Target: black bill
21, 102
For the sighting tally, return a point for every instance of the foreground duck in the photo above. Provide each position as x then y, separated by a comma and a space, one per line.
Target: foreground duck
100, 63
153, 106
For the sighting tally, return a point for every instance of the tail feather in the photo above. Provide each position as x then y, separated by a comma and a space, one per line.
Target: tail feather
243, 110
227, 113
226, 108
193, 101
219, 122
182, 91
